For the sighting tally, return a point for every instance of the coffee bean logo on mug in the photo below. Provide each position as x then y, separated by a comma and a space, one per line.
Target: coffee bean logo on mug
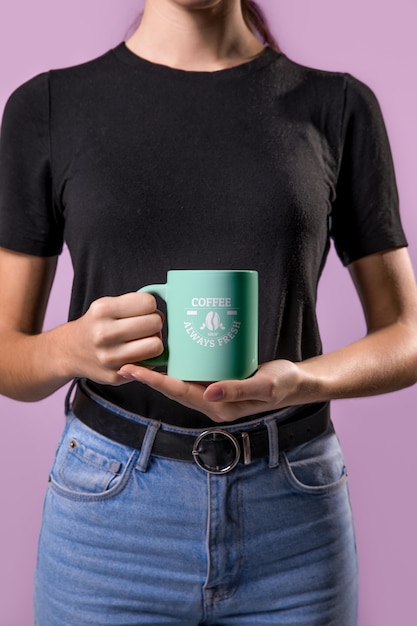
210, 327
212, 324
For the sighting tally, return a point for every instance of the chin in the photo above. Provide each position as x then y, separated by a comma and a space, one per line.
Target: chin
199, 4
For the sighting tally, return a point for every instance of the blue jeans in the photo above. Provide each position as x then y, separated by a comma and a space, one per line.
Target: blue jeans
132, 539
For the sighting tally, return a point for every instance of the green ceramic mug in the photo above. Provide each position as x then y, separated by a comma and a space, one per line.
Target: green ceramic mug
212, 324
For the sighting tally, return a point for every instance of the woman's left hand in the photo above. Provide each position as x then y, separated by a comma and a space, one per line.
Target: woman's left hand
270, 388
384, 360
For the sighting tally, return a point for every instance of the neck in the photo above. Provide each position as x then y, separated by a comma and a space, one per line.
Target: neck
199, 35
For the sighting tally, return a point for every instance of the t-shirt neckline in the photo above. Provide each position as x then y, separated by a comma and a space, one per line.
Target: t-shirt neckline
126, 55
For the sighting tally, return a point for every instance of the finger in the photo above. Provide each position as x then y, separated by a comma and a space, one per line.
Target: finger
132, 304
190, 394
140, 350
131, 328
126, 305
255, 388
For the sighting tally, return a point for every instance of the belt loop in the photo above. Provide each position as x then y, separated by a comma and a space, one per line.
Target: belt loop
247, 454
68, 403
146, 448
273, 442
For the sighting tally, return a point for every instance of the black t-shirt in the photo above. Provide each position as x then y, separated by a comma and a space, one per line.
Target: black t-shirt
140, 168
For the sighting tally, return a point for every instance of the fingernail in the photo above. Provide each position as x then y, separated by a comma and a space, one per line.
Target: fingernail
126, 376
214, 394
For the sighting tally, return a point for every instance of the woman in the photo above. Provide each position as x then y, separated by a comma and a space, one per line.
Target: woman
195, 146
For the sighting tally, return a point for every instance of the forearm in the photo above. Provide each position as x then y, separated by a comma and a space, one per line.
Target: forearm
384, 360
381, 362
113, 331
32, 367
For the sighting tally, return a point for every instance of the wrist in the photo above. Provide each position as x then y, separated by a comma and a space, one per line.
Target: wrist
308, 385
61, 352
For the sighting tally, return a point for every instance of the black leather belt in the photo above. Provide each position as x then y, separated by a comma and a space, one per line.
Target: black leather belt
216, 450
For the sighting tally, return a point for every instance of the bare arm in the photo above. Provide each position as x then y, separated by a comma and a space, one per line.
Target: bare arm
382, 361
34, 364
386, 358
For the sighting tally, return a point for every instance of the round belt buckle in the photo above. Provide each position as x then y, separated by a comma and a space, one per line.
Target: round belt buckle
216, 451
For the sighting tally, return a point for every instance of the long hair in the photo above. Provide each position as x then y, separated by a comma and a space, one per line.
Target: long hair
257, 22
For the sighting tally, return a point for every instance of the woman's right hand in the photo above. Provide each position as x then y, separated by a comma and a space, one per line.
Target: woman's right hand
115, 331
34, 363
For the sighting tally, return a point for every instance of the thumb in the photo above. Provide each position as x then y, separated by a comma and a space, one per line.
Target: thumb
233, 391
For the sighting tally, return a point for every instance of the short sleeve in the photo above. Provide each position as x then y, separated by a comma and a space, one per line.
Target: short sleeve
365, 214
29, 219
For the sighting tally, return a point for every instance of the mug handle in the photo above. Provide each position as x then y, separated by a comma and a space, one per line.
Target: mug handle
162, 359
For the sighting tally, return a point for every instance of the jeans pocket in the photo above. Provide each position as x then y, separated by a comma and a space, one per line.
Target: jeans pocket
89, 466
85, 469
317, 466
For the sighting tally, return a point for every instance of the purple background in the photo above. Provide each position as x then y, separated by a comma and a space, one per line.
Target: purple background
372, 39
